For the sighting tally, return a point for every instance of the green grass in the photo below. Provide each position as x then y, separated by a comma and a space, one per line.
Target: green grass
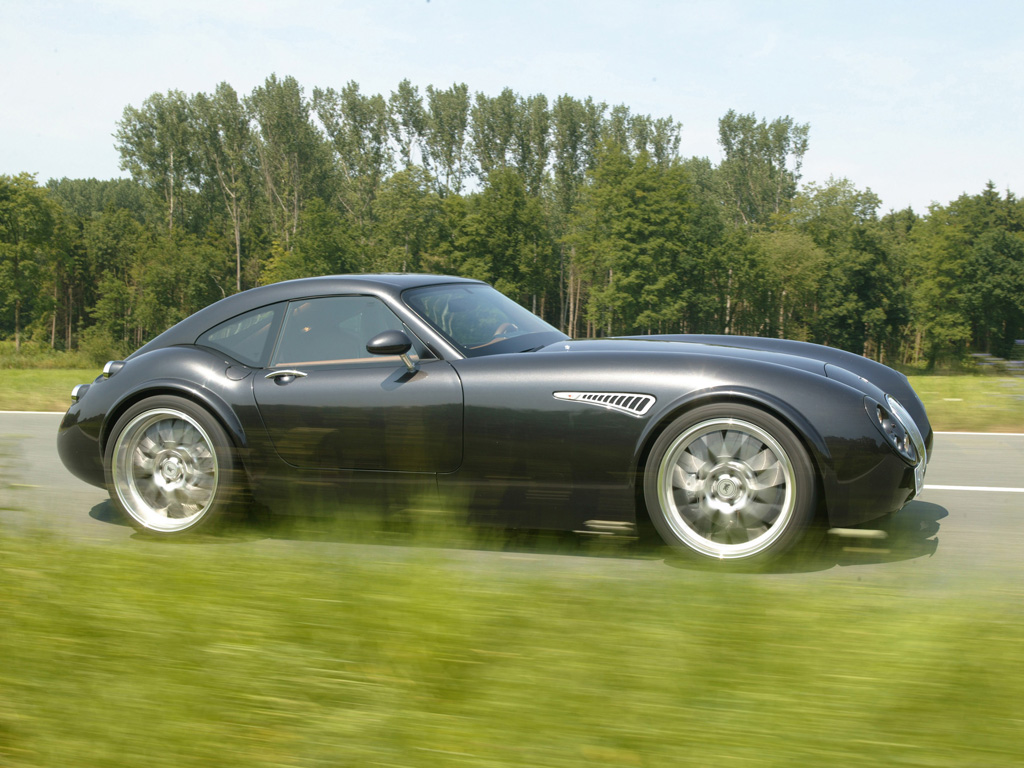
41, 389
228, 654
975, 403
35, 355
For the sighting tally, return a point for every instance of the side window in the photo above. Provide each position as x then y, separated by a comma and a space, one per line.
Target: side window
335, 329
247, 338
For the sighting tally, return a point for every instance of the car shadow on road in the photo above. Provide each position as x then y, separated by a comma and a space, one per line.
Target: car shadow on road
446, 534
104, 512
910, 533
405, 530
905, 535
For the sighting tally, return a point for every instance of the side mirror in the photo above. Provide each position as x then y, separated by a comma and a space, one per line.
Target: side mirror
392, 343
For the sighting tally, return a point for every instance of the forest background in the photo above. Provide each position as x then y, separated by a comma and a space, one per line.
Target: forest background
583, 212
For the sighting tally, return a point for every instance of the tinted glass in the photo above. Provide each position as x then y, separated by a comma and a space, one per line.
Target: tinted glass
247, 338
476, 318
335, 329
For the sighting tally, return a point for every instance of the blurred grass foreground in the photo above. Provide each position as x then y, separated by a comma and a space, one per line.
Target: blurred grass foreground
225, 654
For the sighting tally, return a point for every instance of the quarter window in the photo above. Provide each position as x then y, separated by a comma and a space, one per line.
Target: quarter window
247, 338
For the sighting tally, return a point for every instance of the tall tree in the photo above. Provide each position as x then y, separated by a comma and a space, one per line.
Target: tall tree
493, 129
630, 238
575, 134
324, 245
225, 145
155, 143
84, 201
532, 142
291, 157
761, 169
793, 271
505, 240
409, 212
861, 301
968, 267
445, 139
28, 220
576, 131
358, 128
509, 131
407, 122
115, 243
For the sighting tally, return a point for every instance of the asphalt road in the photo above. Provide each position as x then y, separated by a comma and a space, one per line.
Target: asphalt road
968, 521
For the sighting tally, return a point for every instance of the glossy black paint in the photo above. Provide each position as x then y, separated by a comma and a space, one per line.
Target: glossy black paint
397, 420
486, 433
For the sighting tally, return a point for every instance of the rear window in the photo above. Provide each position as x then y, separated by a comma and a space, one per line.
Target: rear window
247, 338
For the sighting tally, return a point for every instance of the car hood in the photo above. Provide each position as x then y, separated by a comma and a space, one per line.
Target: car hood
867, 375
680, 345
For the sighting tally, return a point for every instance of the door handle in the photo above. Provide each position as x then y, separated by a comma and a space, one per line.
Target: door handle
286, 373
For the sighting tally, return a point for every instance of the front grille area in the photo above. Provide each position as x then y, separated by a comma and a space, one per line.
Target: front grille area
635, 404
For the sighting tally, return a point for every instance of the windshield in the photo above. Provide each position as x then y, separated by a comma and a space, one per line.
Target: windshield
478, 320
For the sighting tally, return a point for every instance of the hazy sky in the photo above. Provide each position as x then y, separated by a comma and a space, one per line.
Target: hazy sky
920, 101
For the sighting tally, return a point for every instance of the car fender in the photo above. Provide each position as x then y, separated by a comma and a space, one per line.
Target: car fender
881, 376
211, 381
206, 398
804, 429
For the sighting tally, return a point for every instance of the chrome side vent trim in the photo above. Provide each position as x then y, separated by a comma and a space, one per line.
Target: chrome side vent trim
633, 403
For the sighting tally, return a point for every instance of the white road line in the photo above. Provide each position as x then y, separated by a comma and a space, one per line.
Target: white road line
981, 488
37, 413
985, 434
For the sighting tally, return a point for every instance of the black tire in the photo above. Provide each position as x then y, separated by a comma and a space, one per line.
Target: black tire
170, 467
730, 482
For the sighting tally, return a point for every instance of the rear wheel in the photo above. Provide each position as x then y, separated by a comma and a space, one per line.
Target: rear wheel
170, 466
730, 482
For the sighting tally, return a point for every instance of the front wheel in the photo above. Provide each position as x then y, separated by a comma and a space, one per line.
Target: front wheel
730, 482
170, 467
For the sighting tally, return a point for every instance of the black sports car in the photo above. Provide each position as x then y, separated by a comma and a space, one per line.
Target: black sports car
385, 388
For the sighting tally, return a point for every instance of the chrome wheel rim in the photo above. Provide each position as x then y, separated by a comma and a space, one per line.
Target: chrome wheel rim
726, 488
165, 470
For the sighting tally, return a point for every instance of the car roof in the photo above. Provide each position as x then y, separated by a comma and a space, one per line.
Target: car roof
388, 282
384, 285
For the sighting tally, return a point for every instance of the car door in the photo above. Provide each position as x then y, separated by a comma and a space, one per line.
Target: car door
327, 403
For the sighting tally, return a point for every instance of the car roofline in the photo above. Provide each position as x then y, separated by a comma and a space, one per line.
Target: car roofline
388, 286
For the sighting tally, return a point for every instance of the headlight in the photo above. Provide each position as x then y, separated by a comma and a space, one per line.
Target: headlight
901, 413
892, 423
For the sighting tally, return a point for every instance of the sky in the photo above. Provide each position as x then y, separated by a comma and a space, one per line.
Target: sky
918, 101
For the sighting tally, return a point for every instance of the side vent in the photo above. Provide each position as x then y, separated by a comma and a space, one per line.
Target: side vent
625, 402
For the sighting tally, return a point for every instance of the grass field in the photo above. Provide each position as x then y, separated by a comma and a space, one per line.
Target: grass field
223, 654
41, 389
954, 403
215, 651
972, 403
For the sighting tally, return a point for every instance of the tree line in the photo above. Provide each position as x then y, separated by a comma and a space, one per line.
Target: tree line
586, 213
